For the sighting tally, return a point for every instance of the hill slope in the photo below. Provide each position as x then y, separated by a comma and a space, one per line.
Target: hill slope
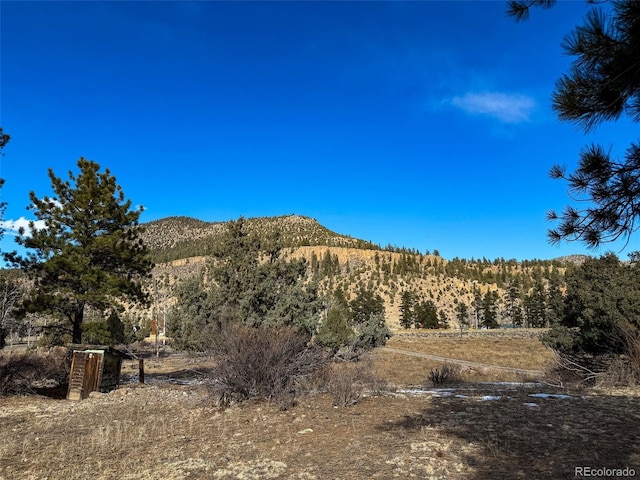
179, 246
174, 238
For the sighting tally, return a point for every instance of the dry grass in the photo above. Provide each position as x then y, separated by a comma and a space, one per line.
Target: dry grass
170, 432
514, 352
173, 432
507, 351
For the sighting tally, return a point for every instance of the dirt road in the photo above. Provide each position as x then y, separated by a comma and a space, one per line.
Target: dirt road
465, 363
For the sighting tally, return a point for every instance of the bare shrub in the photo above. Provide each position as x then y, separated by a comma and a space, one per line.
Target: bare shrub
379, 386
317, 381
22, 373
56, 365
263, 362
347, 383
571, 371
622, 371
584, 370
616, 368
626, 368
17, 373
447, 374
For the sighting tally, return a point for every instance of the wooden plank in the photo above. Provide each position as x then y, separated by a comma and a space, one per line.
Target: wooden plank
111, 366
90, 381
76, 377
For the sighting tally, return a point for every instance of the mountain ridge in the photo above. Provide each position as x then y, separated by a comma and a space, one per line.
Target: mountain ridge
178, 237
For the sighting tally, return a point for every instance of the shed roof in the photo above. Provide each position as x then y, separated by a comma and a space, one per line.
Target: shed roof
105, 348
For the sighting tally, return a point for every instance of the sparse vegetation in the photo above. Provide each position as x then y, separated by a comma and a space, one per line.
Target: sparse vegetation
173, 430
24, 373
444, 375
266, 362
174, 238
347, 383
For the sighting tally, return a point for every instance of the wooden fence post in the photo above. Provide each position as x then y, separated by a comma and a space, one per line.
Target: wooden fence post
141, 370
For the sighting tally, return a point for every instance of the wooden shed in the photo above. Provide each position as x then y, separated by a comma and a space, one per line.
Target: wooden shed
94, 368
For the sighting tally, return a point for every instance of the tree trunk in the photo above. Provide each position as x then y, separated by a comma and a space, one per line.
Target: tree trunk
78, 317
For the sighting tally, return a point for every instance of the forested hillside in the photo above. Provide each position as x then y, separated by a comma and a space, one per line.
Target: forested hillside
418, 289
175, 238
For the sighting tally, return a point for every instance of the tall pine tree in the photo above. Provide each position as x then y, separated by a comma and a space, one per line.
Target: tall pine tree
89, 253
407, 304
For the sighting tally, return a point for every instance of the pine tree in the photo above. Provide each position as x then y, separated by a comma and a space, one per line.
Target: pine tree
89, 254
555, 298
335, 332
256, 293
365, 304
462, 315
443, 320
250, 285
602, 84
513, 303
191, 321
489, 310
539, 305
368, 320
602, 308
426, 314
315, 265
407, 303
477, 302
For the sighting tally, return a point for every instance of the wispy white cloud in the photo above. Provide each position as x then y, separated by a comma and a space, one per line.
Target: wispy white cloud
13, 226
508, 108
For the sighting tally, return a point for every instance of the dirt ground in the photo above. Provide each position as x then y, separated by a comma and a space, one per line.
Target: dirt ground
170, 429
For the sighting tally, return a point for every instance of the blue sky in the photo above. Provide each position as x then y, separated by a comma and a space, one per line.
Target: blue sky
419, 124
